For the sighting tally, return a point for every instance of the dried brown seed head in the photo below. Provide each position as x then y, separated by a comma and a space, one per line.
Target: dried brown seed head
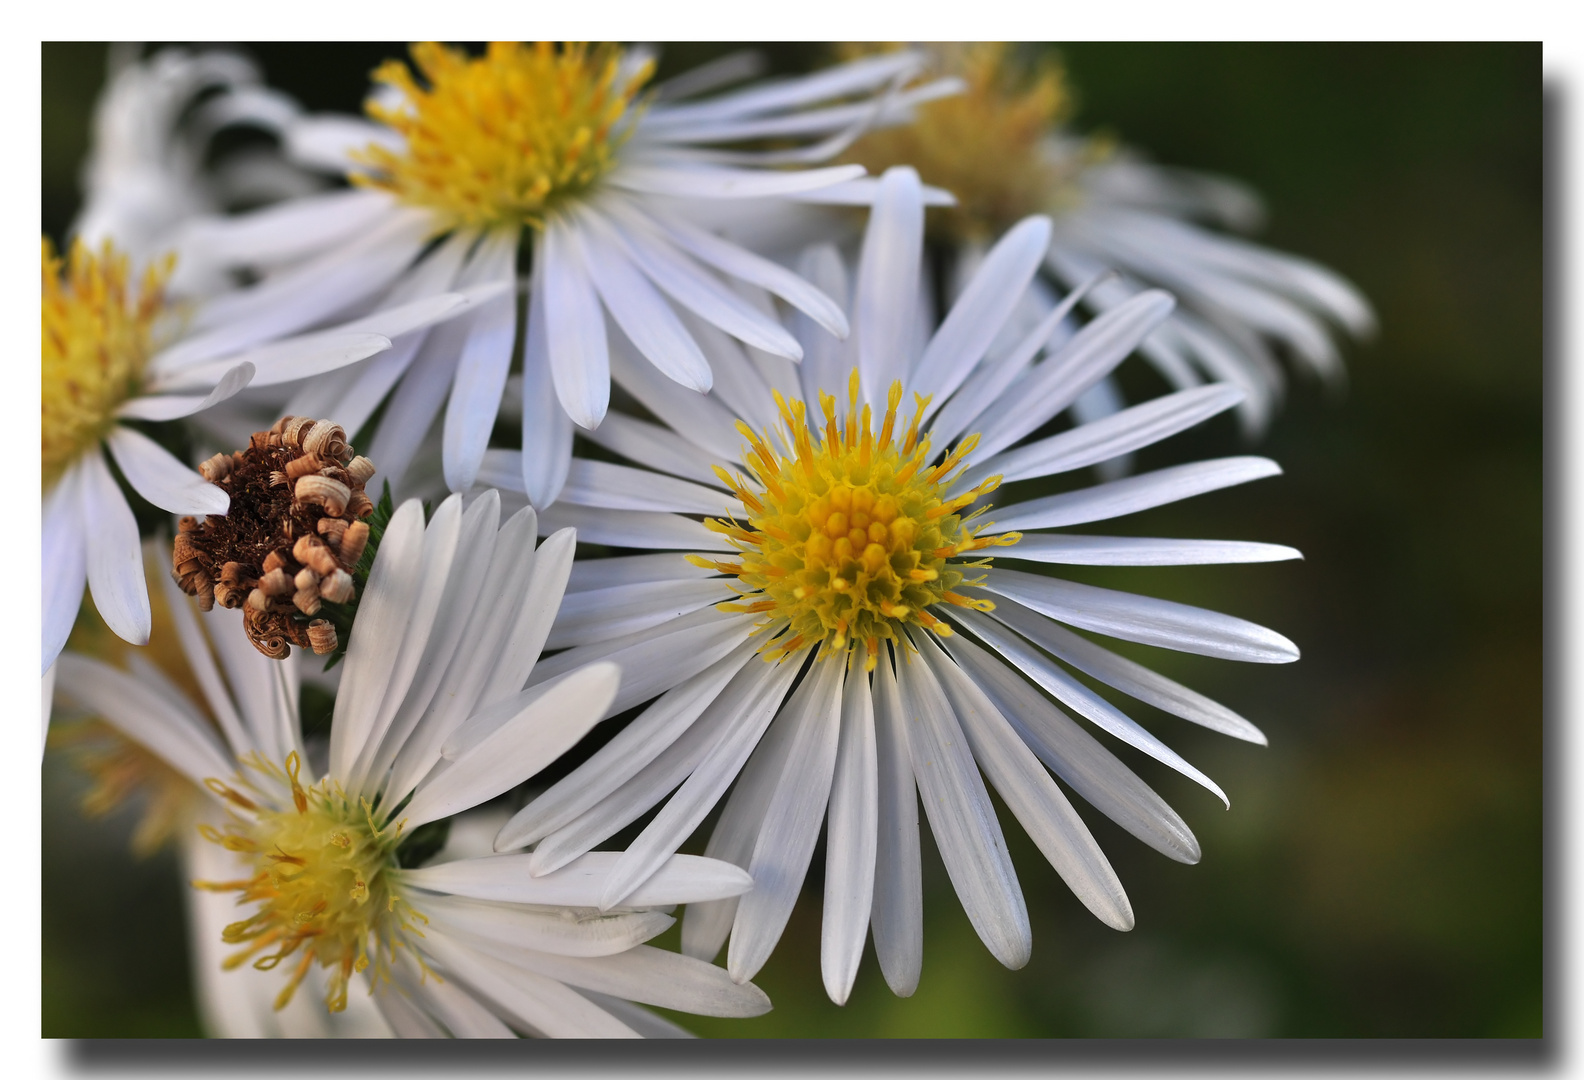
322, 637
295, 501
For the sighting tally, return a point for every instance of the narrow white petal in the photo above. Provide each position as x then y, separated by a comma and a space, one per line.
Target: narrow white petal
1144, 619
574, 327
1131, 678
550, 724
851, 837
1141, 551
195, 647
65, 560
412, 409
114, 554
564, 933
484, 360
1134, 493
654, 977
1078, 758
632, 528
157, 475
982, 309
683, 879
791, 823
888, 270
705, 422
898, 915
546, 427
962, 819
1032, 795
621, 487
536, 611
657, 447
633, 570
713, 182
175, 406
600, 614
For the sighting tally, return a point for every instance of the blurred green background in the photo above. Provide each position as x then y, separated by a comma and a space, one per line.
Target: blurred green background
1380, 871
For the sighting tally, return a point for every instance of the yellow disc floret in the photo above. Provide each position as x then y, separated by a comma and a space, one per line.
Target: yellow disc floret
987, 145
502, 138
322, 880
849, 542
99, 333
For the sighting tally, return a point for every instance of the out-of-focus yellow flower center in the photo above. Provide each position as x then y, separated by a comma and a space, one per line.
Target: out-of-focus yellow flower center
321, 878
99, 333
848, 542
986, 145
502, 138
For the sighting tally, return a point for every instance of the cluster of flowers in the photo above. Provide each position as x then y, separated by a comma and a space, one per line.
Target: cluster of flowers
844, 314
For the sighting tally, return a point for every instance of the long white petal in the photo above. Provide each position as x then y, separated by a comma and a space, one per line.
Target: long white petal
484, 360
1144, 619
682, 879
621, 487
898, 915
195, 647
633, 570
563, 932
550, 724
658, 447
1141, 551
888, 270
546, 427
175, 406
632, 528
65, 560
962, 819
654, 977
713, 182
599, 614
791, 823
705, 422
574, 327
1134, 493
157, 475
851, 836
114, 554
1032, 795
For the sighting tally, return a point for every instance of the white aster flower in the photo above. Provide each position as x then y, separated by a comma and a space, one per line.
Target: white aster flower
853, 553
1001, 148
117, 348
430, 720
470, 153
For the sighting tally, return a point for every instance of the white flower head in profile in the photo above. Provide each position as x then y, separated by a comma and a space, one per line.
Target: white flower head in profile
1003, 149
851, 550
562, 151
430, 719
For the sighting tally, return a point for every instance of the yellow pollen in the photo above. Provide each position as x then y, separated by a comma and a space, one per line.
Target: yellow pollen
851, 539
99, 332
501, 138
320, 875
986, 145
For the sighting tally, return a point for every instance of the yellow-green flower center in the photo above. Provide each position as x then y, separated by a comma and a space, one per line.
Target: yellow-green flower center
504, 137
321, 879
99, 333
987, 145
849, 542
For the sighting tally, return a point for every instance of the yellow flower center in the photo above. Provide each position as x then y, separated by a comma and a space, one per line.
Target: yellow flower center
848, 542
502, 138
98, 335
321, 878
986, 145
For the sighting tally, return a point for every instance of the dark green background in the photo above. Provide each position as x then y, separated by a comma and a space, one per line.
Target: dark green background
1380, 872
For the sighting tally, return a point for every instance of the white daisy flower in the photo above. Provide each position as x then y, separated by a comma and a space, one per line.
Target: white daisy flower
117, 348
430, 719
556, 148
153, 129
854, 552
1001, 148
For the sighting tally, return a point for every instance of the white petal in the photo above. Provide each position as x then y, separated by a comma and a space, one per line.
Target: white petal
550, 724
171, 729
1078, 758
632, 570
851, 837
1141, 551
288, 231
703, 421
411, 410
654, 977
657, 447
962, 819
195, 647
574, 326
1091, 354
898, 915
1121, 432
484, 361
1144, 619
115, 557
546, 427
1134, 493
683, 879
1032, 795
175, 406
562, 932
712, 182
65, 561
888, 270
157, 475
982, 309
1132, 678
632, 528
620, 487
599, 614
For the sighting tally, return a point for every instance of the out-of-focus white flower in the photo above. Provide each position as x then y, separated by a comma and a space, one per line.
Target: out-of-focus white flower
430, 720
465, 150
854, 553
